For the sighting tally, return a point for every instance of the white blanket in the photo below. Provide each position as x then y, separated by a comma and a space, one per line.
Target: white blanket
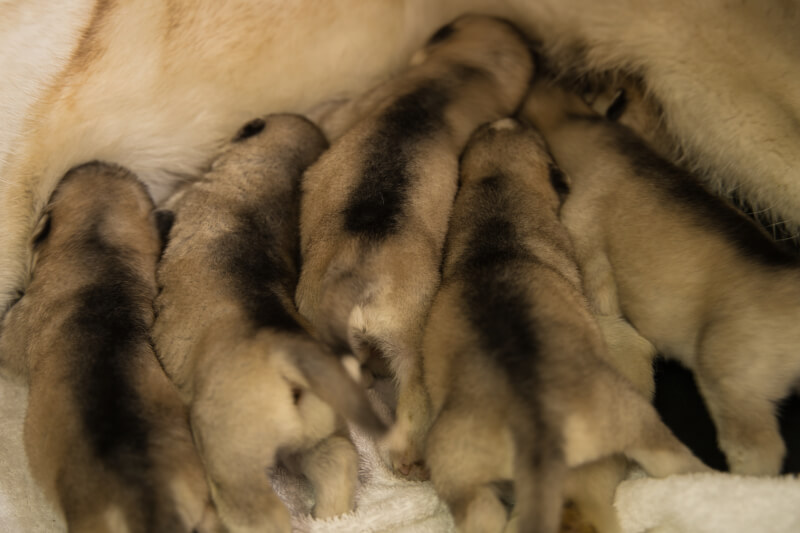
699, 503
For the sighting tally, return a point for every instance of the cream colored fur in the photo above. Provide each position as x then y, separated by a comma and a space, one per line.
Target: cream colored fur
158, 86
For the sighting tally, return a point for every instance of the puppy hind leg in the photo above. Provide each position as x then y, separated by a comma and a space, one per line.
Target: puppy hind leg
236, 455
592, 487
405, 442
332, 468
629, 353
466, 457
617, 419
246, 502
747, 428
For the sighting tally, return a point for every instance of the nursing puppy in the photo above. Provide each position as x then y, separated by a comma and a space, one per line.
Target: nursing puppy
106, 434
513, 359
259, 387
375, 206
696, 278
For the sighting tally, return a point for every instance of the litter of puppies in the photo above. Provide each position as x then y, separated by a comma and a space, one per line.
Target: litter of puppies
498, 272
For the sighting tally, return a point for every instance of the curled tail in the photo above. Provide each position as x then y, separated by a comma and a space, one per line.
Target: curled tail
540, 471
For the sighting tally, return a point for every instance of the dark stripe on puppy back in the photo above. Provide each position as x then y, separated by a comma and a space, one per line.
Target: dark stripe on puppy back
109, 328
259, 264
710, 211
495, 304
376, 206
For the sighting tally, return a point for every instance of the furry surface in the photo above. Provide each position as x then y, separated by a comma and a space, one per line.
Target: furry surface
696, 503
151, 89
156, 86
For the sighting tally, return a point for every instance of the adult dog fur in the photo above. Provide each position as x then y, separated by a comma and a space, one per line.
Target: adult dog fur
106, 434
513, 359
696, 278
375, 206
260, 388
158, 86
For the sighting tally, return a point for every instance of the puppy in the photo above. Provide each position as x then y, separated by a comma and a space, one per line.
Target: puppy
106, 434
375, 207
625, 100
695, 277
259, 386
513, 359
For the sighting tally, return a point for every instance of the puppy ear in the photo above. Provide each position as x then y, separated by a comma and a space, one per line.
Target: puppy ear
330, 381
254, 127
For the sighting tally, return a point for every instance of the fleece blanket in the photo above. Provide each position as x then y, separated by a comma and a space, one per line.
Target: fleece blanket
699, 503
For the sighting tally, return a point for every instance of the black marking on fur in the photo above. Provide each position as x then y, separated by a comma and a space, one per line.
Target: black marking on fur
708, 210
558, 181
493, 243
109, 326
260, 265
442, 34
376, 206
252, 128
18, 295
618, 106
164, 221
498, 308
44, 231
297, 393
496, 305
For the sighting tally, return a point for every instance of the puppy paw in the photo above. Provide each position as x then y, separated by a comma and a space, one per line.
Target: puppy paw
403, 456
413, 471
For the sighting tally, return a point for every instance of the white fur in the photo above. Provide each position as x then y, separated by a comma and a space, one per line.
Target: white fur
726, 75
37, 37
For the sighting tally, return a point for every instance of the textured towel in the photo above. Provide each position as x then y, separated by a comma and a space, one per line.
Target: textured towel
710, 503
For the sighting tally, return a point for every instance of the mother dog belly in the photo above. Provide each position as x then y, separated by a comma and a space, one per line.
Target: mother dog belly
156, 86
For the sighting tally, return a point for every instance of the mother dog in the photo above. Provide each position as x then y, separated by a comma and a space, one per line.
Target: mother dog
157, 85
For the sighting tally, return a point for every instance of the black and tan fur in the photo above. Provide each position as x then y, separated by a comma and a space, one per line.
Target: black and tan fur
259, 386
375, 206
513, 360
106, 434
695, 277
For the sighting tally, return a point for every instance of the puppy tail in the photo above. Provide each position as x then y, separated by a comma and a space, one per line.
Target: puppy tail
541, 468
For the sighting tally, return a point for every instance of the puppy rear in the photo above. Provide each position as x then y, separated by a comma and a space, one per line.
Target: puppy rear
375, 207
507, 261
526, 372
105, 432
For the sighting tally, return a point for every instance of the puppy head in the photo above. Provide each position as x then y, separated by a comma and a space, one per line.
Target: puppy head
492, 45
276, 139
97, 204
509, 147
